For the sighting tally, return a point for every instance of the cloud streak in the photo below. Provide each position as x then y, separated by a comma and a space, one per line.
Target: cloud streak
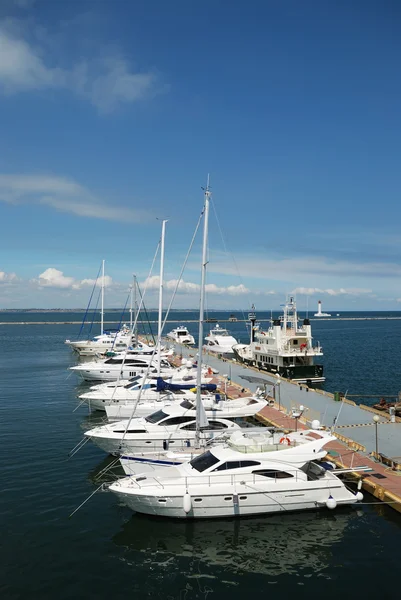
331, 292
187, 287
302, 268
54, 278
8, 277
107, 83
65, 195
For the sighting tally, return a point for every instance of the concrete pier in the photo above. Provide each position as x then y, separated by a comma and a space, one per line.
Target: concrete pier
353, 424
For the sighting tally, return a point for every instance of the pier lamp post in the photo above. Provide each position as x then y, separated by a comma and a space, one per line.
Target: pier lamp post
296, 414
225, 383
376, 420
278, 392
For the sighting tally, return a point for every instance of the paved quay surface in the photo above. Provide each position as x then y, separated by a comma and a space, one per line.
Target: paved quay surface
350, 419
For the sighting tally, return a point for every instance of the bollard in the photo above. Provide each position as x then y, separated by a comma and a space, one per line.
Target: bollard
391, 410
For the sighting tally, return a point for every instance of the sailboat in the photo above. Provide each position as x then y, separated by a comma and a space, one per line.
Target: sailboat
107, 339
204, 427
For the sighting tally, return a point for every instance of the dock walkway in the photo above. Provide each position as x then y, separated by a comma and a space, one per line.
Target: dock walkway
354, 425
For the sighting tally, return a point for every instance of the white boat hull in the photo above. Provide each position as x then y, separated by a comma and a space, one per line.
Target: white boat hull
107, 374
240, 500
116, 445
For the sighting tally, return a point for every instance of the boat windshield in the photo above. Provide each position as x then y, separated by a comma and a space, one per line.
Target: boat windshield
187, 404
134, 382
204, 461
156, 417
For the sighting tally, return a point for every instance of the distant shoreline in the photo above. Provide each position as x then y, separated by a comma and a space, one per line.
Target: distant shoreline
183, 310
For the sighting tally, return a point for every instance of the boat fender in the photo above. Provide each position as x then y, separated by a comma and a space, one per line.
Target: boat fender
186, 503
331, 503
359, 496
285, 440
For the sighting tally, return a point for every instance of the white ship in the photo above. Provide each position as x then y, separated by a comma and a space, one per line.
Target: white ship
285, 349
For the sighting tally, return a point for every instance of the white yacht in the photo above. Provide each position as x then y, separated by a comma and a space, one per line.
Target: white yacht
181, 335
285, 349
109, 340
137, 388
249, 440
215, 405
232, 481
123, 367
158, 431
219, 341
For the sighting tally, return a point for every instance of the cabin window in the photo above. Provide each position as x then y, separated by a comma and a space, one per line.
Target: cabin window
161, 500
228, 498
237, 464
243, 497
295, 342
197, 499
204, 461
273, 474
177, 420
216, 425
129, 431
234, 464
190, 426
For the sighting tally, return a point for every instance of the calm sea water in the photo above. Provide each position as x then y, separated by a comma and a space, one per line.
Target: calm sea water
105, 551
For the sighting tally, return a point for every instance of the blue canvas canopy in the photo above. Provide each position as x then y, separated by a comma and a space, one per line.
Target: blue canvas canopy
164, 385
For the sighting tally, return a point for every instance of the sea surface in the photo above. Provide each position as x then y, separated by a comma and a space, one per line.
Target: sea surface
105, 551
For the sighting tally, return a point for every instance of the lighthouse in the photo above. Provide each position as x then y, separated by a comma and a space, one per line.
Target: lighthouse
319, 311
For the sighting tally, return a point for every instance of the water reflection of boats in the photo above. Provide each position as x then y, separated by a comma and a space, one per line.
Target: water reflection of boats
273, 545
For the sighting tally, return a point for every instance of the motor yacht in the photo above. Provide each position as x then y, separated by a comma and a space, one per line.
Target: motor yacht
237, 481
219, 341
181, 335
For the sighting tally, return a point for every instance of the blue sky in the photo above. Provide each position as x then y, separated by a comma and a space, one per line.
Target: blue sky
112, 114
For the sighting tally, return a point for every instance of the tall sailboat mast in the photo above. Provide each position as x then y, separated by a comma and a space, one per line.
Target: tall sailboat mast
201, 420
131, 291
102, 302
159, 324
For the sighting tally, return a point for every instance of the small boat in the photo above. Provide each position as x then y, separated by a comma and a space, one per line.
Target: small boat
219, 341
181, 335
232, 318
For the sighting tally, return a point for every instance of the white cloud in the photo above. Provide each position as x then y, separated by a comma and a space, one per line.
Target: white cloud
64, 195
108, 281
331, 292
54, 278
186, 287
8, 277
106, 82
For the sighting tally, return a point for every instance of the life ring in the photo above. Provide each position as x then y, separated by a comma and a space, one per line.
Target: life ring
285, 440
